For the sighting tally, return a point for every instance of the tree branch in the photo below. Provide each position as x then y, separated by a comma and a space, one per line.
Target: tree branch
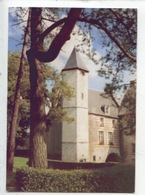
52, 27
60, 39
103, 27
119, 17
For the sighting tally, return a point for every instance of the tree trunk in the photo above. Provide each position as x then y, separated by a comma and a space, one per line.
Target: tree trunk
38, 143
14, 119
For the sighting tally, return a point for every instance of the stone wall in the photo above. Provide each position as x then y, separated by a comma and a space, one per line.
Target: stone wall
99, 152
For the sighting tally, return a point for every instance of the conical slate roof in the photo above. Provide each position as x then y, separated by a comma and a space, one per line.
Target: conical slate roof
75, 62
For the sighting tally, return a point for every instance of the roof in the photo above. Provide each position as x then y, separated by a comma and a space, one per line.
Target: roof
75, 62
97, 100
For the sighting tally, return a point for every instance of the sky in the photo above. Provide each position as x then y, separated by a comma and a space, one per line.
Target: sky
95, 81
14, 36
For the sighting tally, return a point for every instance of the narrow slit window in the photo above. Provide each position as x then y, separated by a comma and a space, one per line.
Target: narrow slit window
82, 96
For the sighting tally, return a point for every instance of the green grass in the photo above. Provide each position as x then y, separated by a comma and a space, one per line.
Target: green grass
20, 162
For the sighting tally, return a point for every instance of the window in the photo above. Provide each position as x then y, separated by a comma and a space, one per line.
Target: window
94, 158
133, 148
82, 96
101, 122
101, 137
107, 109
110, 138
113, 123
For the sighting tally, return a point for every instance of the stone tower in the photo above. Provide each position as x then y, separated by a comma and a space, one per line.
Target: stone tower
75, 135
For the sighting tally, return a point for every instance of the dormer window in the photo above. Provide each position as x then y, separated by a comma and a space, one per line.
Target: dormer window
105, 109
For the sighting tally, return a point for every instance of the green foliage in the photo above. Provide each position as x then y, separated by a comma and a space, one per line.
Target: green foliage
119, 178
24, 110
57, 89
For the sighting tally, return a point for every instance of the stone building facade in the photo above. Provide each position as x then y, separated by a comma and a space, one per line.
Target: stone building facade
94, 135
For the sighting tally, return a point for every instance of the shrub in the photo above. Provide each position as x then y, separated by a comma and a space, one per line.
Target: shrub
113, 179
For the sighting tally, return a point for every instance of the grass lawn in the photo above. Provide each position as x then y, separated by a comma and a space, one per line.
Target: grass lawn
18, 163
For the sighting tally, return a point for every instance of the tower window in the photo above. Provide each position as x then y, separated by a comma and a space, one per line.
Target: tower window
82, 96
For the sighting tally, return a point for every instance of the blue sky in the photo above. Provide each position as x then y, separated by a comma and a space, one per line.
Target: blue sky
14, 36
95, 82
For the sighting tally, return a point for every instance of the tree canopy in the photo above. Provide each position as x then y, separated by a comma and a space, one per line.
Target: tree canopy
24, 111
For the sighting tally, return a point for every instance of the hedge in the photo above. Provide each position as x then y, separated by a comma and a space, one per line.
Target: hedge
58, 164
118, 179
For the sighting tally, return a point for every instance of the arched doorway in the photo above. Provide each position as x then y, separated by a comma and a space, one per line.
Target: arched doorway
113, 157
